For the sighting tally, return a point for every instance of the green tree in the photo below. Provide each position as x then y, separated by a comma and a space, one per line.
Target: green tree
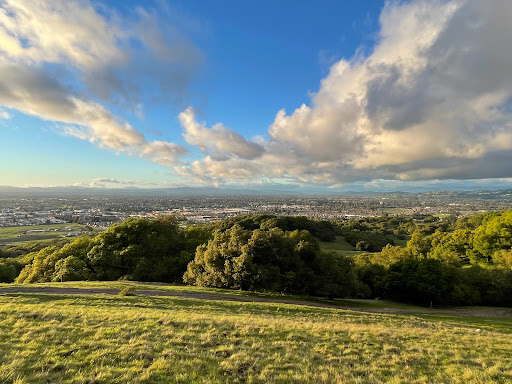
492, 236
419, 245
220, 263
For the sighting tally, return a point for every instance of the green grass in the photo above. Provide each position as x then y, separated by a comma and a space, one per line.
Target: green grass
340, 246
401, 242
121, 339
188, 289
344, 248
10, 235
396, 210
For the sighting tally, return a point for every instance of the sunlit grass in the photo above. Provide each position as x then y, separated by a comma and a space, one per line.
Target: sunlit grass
104, 339
193, 290
340, 246
19, 235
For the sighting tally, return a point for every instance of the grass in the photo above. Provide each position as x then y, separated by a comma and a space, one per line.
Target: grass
340, 246
9, 235
399, 211
136, 339
344, 248
401, 242
131, 287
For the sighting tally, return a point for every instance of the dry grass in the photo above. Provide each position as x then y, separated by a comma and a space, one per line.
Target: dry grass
121, 339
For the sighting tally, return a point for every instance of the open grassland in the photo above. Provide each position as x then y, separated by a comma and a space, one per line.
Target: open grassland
340, 246
136, 339
9, 235
344, 248
401, 242
396, 211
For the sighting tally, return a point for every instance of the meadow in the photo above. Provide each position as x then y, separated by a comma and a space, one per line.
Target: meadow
340, 246
343, 248
69, 338
21, 234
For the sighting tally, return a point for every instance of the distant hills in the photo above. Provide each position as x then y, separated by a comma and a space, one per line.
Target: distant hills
76, 191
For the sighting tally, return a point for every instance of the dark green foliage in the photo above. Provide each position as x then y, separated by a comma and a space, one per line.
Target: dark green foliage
448, 262
138, 249
421, 281
270, 260
336, 277
372, 241
53, 264
220, 263
373, 234
322, 230
9, 269
418, 281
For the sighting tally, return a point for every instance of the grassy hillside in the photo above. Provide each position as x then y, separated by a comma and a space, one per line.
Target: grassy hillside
343, 247
104, 339
340, 246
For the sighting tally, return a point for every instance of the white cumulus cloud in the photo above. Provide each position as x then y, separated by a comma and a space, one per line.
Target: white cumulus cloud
432, 101
69, 62
219, 139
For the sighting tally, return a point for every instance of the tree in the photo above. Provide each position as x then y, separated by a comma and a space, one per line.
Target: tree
8, 271
391, 254
419, 281
492, 236
502, 259
419, 245
452, 247
139, 249
220, 263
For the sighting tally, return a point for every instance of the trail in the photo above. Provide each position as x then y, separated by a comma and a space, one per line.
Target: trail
481, 312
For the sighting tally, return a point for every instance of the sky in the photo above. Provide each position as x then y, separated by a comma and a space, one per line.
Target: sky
329, 95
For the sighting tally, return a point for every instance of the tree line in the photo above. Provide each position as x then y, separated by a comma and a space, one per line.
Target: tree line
465, 261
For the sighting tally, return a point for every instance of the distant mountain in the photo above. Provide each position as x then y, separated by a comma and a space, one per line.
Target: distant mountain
133, 191
76, 191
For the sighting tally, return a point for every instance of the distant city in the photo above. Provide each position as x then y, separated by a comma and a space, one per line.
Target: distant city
102, 209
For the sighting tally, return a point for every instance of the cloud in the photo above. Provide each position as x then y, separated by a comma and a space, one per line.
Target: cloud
107, 180
4, 115
69, 62
222, 141
33, 92
104, 181
432, 101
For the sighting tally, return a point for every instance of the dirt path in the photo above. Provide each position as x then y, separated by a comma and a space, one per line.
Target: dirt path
484, 312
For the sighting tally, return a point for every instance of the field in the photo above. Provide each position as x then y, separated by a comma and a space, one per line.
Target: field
340, 246
9, 235
98, 338
343, 247
399, 211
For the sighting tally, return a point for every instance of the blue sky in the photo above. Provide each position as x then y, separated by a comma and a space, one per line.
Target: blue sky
331, 94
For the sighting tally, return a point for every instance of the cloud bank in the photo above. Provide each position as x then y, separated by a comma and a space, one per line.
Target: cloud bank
432, 101
69, 62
